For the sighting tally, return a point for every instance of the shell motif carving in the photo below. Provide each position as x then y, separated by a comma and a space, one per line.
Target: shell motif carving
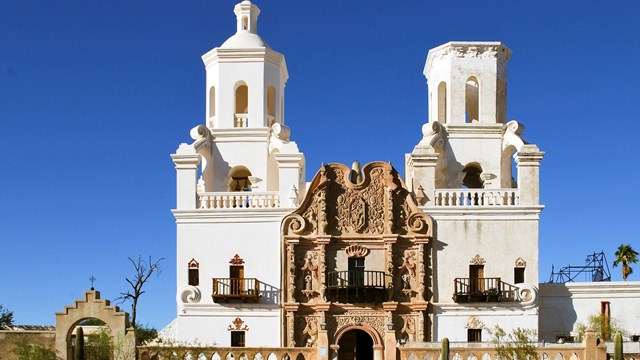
356, 250
477, 260
189, 295
520, 263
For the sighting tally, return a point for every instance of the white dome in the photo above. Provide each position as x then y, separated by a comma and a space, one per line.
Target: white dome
243, 40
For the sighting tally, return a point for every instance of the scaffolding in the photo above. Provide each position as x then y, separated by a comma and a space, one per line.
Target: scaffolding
595, 269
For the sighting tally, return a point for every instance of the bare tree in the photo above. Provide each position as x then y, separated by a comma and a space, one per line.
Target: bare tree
142, 272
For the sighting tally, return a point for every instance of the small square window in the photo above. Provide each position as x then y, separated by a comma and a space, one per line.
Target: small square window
237, 338
474, 335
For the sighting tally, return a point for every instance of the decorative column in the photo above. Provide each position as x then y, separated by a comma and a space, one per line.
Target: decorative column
389, 241
323, 338
186, 161
528, 162
390, 331
291, 256
322, 266
421, 272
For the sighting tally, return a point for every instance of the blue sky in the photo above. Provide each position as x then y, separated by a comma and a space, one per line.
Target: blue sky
95, 95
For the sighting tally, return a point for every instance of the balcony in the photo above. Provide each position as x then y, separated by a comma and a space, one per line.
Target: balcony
476, 197
356, 286
245, 289
483, 290
241, 120
239, 200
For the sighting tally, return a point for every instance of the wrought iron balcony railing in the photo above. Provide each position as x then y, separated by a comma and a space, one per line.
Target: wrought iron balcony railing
483, 290
244, 289
356, 286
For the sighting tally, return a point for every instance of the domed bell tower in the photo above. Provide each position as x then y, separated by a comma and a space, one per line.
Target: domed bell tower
468, 143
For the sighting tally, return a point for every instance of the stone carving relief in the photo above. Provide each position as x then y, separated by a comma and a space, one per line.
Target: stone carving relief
310, 331
236, 260
477, 260
193, 264
238, 325
360, 317
379, 204
310, 271
474, 323
189, 295
408, 272
520, 263
356, 251
528, 294
408, 331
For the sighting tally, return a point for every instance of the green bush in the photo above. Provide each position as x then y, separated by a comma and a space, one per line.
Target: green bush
23, 350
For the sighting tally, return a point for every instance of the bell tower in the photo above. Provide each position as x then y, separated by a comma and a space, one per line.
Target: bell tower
249, 146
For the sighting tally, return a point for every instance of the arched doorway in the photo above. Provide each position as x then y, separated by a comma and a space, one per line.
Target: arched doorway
355, 344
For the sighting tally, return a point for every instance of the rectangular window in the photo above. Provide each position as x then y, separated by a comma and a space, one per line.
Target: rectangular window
237, 338
474, 335
356, 272
518, 275
194, 277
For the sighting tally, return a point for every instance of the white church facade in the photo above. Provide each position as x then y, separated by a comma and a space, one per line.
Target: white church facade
361, 256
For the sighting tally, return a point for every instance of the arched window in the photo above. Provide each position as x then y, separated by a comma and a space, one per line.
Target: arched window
212, 102
442, 102
472, 103
245, 23
239, 179
271, 105
472, 178
242, 106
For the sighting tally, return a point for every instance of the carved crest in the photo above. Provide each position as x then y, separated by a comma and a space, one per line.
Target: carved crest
474, 323
236, 260
379, 204
477, 260
193, 264
357, 214
520, 263
356, 250
237, 325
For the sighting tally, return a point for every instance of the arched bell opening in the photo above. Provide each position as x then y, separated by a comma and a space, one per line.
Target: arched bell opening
239, 179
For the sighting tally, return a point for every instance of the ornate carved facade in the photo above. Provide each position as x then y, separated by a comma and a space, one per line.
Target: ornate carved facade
356, 255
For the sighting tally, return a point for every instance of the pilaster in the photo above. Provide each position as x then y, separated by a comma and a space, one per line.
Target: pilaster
421, 171
186, 161
528, 162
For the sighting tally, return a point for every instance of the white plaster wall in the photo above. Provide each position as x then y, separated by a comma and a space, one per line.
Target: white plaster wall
213, 238
499, 238
452, 322
562, 306
251, 152
228, 74
264, 328
484, 148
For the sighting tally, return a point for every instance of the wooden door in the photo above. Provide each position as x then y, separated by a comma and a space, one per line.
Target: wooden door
476, 279
236, 275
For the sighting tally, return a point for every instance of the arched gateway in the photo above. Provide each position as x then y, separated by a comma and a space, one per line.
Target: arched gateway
356, 255
93, 307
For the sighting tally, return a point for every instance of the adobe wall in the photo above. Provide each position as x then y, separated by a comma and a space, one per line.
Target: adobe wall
8, 339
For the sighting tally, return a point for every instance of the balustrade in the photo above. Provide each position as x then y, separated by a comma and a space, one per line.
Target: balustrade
241, 120
224, 353
239, 200
476, 197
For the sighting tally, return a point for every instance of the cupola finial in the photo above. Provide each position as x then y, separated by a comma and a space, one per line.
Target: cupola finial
247, 15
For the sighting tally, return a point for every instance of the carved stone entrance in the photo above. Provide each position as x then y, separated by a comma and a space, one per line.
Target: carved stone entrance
355, 344
356, 257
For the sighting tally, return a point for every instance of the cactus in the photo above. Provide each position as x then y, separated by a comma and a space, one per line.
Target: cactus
79, 350
617, 349
445, 349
